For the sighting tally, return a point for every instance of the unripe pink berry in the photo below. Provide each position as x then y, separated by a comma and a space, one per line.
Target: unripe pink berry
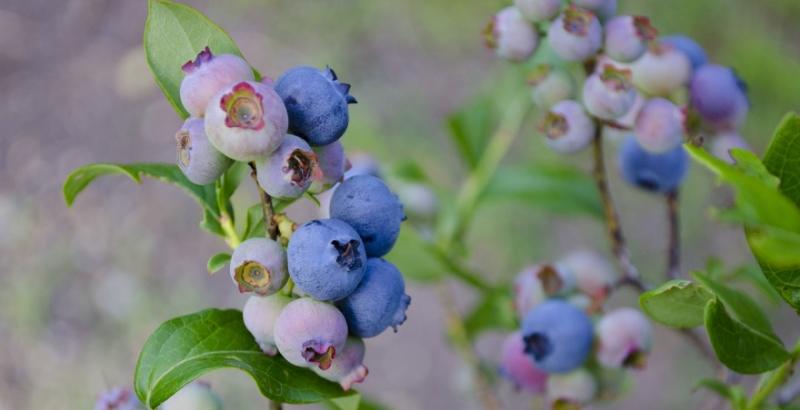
535, 283
722, 144
348, 366
246, 121
310, 333
594, 275
659, 126
332, 163
575, 388
550, 85
538, 10
197, 158
626, 37
208, 74
576, 35
260, 314
609, 94
661, 70
511, 36
623, 338
517, 366
568, 127
259, 265
289, 171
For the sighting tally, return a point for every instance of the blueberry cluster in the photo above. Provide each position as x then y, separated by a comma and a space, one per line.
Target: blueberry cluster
567, 338
655, 89
289, 131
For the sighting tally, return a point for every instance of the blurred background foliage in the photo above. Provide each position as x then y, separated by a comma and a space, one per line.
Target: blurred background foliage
82, 288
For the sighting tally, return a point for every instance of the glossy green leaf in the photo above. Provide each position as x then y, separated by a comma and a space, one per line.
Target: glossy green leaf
782, 158
495, 311
739, 347
747, 162
471, 127
557, 189
754, 276
412, 255
218, 262
677, 303
185, 348
742, 305
173, 34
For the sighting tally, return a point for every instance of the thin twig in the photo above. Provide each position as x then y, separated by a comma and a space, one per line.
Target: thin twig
776, 379
270, 224
674, 247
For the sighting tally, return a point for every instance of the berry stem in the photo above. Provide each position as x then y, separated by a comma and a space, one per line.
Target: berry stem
775, 380
270, 223
674, 247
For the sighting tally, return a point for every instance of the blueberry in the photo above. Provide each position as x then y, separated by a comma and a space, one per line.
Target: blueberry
624, 337
326, 259
197, 158
260, 314
550, 86
661, 70
117, 398
609, 94
659, 126
511, 36
208, 74
310, 333
289, 171
259, 265
626, 37
246, 121
576, 35
367, 204
571, 390
558, 336
378, 302
347, 367
690, 48
567, 127
719, 95
518, 367
538, 10
723, 143
332, 164
316, 102
193, 396
652, 172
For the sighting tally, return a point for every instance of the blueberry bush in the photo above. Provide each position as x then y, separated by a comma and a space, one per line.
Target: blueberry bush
595, 79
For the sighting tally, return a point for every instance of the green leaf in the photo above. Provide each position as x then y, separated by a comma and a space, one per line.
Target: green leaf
218, 262
753, 275
782, 158
739, 347
471, 126
748, 162
410, 171
742, 305
677, 303
558, 189
413, 256
185, 348
81, 177
173, 34
495, 311
349, 402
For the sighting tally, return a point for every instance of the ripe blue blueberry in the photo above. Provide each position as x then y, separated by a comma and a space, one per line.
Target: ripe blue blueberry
652, 172
719, 96
661, 70
246, 121
518, 367
316, 102
260, 314
690, 48
367, 204
558, 336
310, 333
347, 367
197, 158
117, 398
208, 74
378, 302
576, 35
550, 85
609, 94
626, 37
332, 164
567, 127
624, 337
193, 396
289, 171
511, 36
326, 259
538, 10
659, 126
259, 265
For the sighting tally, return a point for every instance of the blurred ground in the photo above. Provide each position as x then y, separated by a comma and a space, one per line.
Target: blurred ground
82, 288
